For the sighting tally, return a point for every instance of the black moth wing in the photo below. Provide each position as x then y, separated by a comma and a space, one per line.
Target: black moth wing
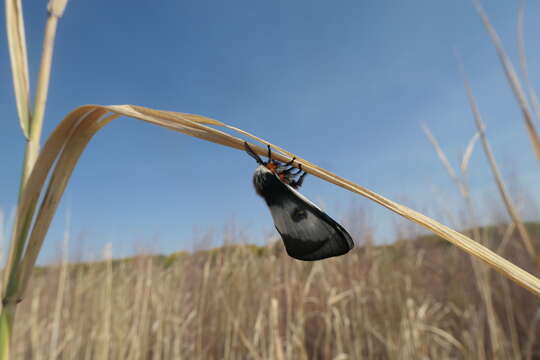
307, 232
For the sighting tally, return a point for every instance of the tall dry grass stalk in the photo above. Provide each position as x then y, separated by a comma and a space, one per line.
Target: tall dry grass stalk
523, 60
482, 275
31, 124
513, 78
505, 196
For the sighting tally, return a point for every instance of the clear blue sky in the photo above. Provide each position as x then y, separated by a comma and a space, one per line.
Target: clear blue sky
344, 84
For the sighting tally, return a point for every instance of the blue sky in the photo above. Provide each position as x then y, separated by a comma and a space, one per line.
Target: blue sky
344, 84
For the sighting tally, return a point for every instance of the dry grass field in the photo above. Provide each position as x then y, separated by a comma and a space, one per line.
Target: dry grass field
415, 299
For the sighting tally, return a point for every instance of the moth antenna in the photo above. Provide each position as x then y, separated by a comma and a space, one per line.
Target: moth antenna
252, 153
269, 153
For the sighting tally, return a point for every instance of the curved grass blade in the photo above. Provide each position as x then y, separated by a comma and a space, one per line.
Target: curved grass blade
62, 150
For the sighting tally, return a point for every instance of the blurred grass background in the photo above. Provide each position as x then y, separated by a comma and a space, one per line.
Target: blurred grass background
416, 299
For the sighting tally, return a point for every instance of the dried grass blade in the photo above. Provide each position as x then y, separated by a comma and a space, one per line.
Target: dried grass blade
42, 87
523, 61
468, 153
440, 153
444, 161
57, 7
61, 173
512, 78
67, 143
30, 197
19, 62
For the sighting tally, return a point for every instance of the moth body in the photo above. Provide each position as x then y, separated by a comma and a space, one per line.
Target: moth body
307, 232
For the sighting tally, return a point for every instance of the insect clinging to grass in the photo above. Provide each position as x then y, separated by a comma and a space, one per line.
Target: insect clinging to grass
307, 232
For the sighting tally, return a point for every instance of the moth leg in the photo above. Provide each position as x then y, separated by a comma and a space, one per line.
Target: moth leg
299, 171
290, 162
269, 153
297, 183
291, 168
300, 180
289, 171
252, 153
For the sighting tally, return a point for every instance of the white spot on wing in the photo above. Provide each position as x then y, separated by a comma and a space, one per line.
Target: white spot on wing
311, 228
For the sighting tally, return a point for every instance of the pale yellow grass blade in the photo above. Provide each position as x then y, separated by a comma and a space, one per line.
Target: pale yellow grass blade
523, 61
19, 61
468, 153
60, 154
512, 79
56, 9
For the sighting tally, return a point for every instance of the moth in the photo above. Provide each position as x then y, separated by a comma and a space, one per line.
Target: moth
307, 232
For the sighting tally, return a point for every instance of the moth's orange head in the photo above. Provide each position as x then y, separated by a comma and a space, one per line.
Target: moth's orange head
272, 166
